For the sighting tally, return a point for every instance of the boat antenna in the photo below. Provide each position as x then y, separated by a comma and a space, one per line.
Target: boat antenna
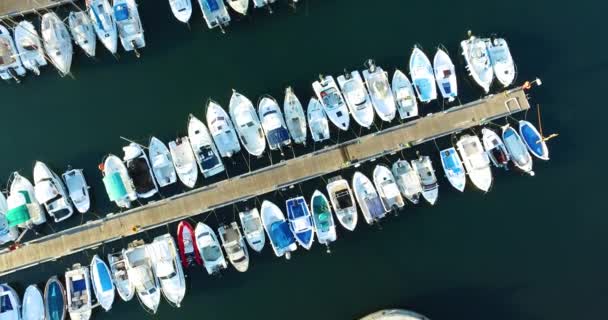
540, 128
137, 54
328, 249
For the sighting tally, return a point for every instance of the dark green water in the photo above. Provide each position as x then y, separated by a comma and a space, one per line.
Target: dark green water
532, 248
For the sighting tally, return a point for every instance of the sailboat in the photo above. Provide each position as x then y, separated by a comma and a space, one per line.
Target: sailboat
161, 162
100, 12
387, 188
215, 13
281, 238
24, 210
421, 72
234, 245
55, 300
57, 42
247, 124
184, 161
369, 201
273, 123
10, 306
253, 229
495, 148
476, 161
294, 117
78, 190
222, 130
182, 9
300, 221
186, 242
428, 180
117, 182
407, 180
332, 101
129, 26
139, 270
120, 276
343, 202
78, 292
240, 6
8, 232
445, 75
83, 32
517, 150
476, 55
140, 171
10, 60
404, 94
322, 218
29, 46
501, 60
453, 168
535, 142
167, 268
357, 99
207, 157
101, 281
51, 192
380, 91
317, 121
33, 304
210, 249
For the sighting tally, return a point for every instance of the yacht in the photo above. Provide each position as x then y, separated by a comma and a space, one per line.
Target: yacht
294, 117
452, 166
83, 32
501, 60
534, 140
273, 123
55, 301
404, 94
161, 162
317, 121
29, 46
207, 157
332, 101
24, 210
380, 92
8, 232
253, 229
421, 72
428, 180
281, 238
140, 170
300, 221
323, 220
387, 188
235, 246
139, 271
57, 42
247, 124
222, 130
119, 185
445, 75
476, 55
101, 281
476, 161
10, 59
184, 161
182, 9
33, 304
210, 249
517, 150
495, 148
128, 23
167, 268
215, 13
240, 6
120, 276
78, 292
10, 305
100, 12
407, 180
78, 190
368, 198
51, 192
343, 202
357, 99
188, 249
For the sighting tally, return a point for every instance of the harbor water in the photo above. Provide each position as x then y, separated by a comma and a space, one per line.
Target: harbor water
531, 248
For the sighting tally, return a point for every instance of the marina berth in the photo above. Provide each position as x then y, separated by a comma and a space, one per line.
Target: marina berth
140, 171
118, 184
323, 220
10, 306
317, 121
215, 13
188, 248
517, 150
162, 163
235, 246
295, 118
78, 190
422, 76
55, 301
477, 58
273, 123
428, 180
408, 180
83, 32
10, 60
453, 168
385, 184
300, 221
405, 96
184, 161
33, 304
210, 249
357, 99
501, 60
277, 228
475, 161
78, 293
343, 202
247, 124
182, 9
139, 270
7, 233
253, 229
495, 148
332, 101
535, 142
376, 81
128, 24
51, 193
445, 75
222, 130
102, 17
120, 276
167, 268
101, 281
369, 201
205, 152
57, 42
29, 46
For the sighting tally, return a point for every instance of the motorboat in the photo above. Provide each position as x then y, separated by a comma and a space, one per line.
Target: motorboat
215, 13
534, 140
376, 80
273, 123
501, 60
222, 130
184, 161
10, 59
476, 55
120, 276
517, 150
368, 198
83, 32
394, 314
182, 9
8, 233
33, 304
117, 182
281, 238
10, 304
332, 101
247, 124
407, 180
323, 220
235, 246
453, 168
101, 281
405, 96
422, 76
209, 249
186, 242
78, 292
57, 42
128, 23
78, 190
317, 121
167, 268
29, 46
140, 170
476, 161
300, 221
295, 119
253, 229
428, 179
343, 202
240, 6
207, 157
357, 99
495, 148
51, 192
24, 209
162, 163
139, 271
445, 75
55, 301
100, 13
387, 188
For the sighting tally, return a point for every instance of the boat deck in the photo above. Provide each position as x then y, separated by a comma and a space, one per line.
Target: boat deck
265, 180
11, 8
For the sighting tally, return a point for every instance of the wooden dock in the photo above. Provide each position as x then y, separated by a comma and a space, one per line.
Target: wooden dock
265, 180
12, 8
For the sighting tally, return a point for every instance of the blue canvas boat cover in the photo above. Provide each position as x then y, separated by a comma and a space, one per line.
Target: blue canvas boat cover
208, 158
5, 302
104, 276
532, 139
447, 88
424, 87
296, 208
79, 285
376, 210
450, 161
55, 304
212, 5
121, 12
281, 234
278, 136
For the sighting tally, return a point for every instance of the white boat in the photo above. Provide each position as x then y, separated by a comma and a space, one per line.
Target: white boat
33, 304
240, 6
317, 121
140, 170
83, 31
51, 192
380, 91
295, 117
139, 270
262, 3
78, 189
343, 202
476, 55
273, 123
247, 124
235, 246
10, 59
23, 207
215, 13
128, 23
101, 281
78, 293
495, 148
404, 94
100, 12
117, 182
167, 267
476, 161
29, 46
387, 188
501, 60
323, 220
407, 180
331, 99
517, 150
423, 79
8, 232
357, 99
184, 161
182, 9
369, 201
428, 180
120, 277
253, 229
209, 248
161, 162
205, 152
57, 42
452, 166
10, 306
222, 130
281, 238
445, 75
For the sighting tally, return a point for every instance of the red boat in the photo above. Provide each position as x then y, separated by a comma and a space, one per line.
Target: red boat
188, 250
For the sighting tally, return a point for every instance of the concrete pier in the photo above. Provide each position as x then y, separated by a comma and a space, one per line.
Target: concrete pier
11, 8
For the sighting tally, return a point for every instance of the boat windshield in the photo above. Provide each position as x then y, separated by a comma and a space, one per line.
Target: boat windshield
208, 158
5, 303
251, 224
331, 98
344, 199
211, 253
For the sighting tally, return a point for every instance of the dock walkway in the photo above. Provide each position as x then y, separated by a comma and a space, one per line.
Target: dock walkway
11, 8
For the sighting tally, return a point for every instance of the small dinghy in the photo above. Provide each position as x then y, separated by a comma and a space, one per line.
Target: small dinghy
300, 221
207, 157
10, 305
182, 9
332, 101
51, 192
273, 123
167, 268
325, 226
24, 210
119, 185
534, 140
357, 99
184, 161
78, 292
188, 249
100, 13
57, 42
128, 23
209, 248
120, 277
281, 238
235, 246
140, 171
403, 91
161, 162
295, 117
29, 46
380, 92
247, 124
10, 60
215, 13
387, 188
253, 229
421, 72
343, 202
517, 150
476, 56
445, 75
101, 280
222, 130
139, 269
407, 180
240, 6
368, 198
83, 32
452, 166
77, 189
33, 304
8, 232
495, 148
476, 161
428, 180
317, 121
55, 302
501, 60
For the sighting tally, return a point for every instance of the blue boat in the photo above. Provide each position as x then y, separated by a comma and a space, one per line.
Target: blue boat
54, 300
534, 140
280, 236
453, 168
300, 221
